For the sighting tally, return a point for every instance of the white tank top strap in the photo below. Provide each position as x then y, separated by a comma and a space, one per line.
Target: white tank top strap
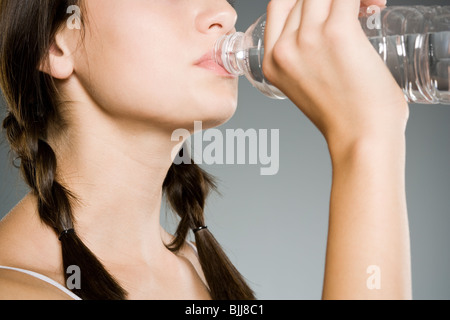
192, 246
58, 285
46, 279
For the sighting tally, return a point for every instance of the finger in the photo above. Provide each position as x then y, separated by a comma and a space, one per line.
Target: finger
277, 14
344, 10
367, 6
293, 20
315, 13
368, 3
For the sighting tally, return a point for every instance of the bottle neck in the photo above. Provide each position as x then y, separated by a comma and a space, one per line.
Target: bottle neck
229, 52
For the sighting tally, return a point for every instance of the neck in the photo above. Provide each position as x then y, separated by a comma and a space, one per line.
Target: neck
116, 172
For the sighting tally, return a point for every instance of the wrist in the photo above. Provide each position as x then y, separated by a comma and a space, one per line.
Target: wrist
378, 130
374, 147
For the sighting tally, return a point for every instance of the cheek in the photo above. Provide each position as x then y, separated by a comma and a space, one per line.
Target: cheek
138, 71
126, 50
123, 70
146, 85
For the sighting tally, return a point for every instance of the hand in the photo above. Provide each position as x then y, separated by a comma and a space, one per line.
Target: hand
317, 53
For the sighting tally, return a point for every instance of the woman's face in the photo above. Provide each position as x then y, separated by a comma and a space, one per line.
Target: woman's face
139, 61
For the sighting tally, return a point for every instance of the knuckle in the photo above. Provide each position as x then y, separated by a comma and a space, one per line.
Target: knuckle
283, 58
308, 39
340, 32
282, 52
332, 33
268, 70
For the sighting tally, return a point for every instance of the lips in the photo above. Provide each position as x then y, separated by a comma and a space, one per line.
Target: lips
208, 62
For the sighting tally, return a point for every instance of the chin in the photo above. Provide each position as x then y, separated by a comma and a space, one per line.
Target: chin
216, 111
213, 105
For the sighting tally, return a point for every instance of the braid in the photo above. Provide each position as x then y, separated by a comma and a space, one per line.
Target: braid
186, 187
26, 33
27, 29
38, 167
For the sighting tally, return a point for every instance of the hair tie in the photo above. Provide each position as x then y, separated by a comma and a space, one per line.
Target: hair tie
65, 232
200, 228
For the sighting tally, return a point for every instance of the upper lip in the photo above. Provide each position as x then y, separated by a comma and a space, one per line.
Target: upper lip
210, 55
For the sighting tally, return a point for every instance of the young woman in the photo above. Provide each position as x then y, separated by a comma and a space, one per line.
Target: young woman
91, 113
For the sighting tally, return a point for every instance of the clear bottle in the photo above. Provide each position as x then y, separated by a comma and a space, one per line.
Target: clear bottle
414, 43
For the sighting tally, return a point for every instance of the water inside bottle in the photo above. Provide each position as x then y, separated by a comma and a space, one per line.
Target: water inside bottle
420, 63
253, 58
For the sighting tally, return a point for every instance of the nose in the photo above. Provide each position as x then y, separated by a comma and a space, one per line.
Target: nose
216, 16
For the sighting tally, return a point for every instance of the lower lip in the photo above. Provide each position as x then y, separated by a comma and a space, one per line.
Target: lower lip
214, 67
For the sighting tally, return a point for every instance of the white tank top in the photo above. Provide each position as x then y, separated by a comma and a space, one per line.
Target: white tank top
56, 284
46, 279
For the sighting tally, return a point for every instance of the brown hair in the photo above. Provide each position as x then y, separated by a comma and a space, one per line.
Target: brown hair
27, 30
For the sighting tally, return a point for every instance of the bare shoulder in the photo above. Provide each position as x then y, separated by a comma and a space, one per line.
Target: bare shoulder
188, 251
23, 245
18, 232
20, 213
16, 285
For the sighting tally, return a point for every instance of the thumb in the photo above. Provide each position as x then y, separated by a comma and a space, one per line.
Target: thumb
367, 3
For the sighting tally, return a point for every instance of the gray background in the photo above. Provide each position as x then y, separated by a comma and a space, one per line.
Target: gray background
274, 228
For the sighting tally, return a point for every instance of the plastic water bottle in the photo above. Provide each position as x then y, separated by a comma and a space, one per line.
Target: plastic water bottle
414, 43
